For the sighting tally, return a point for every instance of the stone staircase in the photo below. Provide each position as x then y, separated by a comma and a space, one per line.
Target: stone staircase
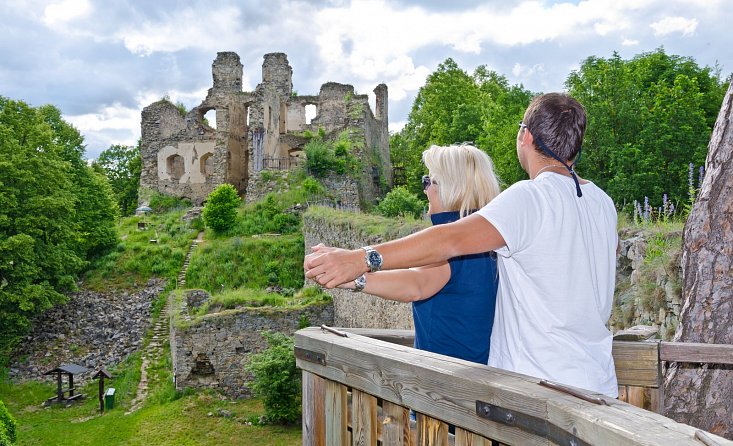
161, 330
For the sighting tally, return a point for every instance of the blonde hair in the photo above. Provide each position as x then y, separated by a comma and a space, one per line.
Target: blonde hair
465, 176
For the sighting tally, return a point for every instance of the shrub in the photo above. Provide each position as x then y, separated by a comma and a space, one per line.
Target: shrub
321, 159
400, 202
277, 379
220, 212
161, 203
7, 427
313, 186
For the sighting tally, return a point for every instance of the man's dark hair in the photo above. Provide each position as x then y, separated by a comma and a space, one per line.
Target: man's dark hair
559, 121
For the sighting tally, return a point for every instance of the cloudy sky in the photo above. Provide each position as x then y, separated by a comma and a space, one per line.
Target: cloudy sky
101, 62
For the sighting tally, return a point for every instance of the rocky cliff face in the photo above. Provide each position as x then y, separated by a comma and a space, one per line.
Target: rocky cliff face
92, 329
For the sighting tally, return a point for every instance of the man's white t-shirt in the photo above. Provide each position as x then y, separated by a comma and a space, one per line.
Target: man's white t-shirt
556, 282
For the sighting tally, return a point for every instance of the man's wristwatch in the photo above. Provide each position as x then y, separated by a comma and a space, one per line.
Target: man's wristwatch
373, 259
359, 283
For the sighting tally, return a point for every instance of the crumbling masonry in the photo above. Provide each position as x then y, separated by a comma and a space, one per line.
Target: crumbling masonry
185, 157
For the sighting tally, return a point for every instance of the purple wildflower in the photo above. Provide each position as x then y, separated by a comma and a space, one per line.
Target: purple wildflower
700, 177
664, 210
647, 209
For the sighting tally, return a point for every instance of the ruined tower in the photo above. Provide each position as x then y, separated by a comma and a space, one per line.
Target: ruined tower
188, 156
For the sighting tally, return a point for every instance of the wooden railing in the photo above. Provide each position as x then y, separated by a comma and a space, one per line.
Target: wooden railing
359, 390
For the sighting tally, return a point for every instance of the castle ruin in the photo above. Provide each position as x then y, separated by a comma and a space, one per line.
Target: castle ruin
263, 129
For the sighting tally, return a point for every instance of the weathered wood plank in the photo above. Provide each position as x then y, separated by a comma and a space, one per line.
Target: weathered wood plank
447, 389
336, 413
313, 409
623, 393
466, 438
395, 425
639, 397
364, 418
431, 431
696, 352
393, 336
637, 363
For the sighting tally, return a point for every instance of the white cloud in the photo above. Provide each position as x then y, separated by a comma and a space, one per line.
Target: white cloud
183, 29
65, 11
669, 25
629, 42
395, 127
114, 117
524, 72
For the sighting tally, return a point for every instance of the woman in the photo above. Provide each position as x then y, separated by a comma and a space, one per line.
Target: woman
454, 301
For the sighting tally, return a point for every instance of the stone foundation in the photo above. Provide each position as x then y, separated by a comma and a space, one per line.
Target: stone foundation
212, 352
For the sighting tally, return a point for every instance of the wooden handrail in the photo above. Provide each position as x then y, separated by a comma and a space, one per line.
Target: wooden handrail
696, 352
492, 403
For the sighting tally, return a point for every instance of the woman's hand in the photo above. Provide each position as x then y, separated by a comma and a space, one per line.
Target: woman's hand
331, 267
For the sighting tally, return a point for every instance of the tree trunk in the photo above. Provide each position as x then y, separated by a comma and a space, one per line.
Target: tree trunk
702, 394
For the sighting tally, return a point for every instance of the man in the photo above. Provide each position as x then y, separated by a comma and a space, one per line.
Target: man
555, 237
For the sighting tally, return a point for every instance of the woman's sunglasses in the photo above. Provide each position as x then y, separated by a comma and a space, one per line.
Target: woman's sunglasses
426, 182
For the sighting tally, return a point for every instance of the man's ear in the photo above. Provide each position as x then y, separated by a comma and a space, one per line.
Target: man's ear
526, 137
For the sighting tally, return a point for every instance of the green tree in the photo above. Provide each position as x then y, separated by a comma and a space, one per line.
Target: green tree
399, 202
503, 108
277, 379
122, 166
220, 212
7, 427
648, 118
39, 226
446, 110
95, 207
454, 106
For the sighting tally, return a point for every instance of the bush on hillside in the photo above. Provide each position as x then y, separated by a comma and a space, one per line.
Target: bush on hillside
277, 379
7, 427
400, 202
220, 212
162, 203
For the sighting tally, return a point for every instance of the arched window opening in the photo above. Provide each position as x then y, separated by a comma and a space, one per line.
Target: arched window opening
210, 118
207, 165
175, 167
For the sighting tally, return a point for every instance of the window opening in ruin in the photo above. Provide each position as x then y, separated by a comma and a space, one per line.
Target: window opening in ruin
248, 113
210, 118
283, 114
310, 112
207, 165
175, 167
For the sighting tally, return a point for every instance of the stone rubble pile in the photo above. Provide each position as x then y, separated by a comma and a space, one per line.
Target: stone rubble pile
92, 329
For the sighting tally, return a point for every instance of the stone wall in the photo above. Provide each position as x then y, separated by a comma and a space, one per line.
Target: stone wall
640, 299
648, 294
211, 352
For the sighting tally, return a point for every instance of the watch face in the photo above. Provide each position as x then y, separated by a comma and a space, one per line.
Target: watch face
375, 259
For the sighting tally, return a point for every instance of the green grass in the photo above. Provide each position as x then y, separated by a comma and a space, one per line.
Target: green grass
184, 421
167, 417
255, 262
136, 259
368, 224
252, 298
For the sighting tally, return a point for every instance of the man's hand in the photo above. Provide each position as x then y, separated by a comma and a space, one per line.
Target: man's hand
331, 267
